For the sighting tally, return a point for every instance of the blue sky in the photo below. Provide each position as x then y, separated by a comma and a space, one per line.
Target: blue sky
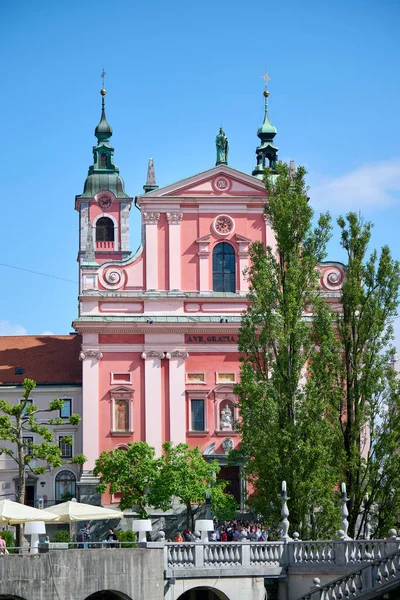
176, 71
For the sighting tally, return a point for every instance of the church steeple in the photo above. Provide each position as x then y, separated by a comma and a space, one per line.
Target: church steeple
103, 174
266, 152
103, 131
104, 206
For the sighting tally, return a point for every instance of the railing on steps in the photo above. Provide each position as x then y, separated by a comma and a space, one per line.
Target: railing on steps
379, 576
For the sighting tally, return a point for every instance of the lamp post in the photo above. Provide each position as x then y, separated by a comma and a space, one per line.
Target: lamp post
34, 529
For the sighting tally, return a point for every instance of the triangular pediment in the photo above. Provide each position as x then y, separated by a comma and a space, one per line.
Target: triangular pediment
219, 181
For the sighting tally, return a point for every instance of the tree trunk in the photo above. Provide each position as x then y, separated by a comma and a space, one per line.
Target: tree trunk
21, 475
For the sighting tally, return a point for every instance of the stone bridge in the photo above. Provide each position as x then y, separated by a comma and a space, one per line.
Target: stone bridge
206, 571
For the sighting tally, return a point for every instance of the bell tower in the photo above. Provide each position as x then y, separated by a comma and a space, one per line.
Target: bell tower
103, 206
266, 152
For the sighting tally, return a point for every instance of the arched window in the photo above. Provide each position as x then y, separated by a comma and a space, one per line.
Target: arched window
224, 268
65, 486
104, 230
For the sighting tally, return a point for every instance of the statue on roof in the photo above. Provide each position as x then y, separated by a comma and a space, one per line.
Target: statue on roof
221, 142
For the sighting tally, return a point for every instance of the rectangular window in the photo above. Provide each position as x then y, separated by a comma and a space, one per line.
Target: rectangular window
225, 377
28, 441
66, 449
29, 402
65, 412
195, 377
197, 410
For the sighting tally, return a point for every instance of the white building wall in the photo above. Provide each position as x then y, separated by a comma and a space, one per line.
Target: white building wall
44, 484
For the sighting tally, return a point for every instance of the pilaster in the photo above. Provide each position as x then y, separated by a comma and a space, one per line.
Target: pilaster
152, 384
174, 233
269, 235
204, 263
243, 255
177, 396
124, 225
150, 220
83, 224
90, 405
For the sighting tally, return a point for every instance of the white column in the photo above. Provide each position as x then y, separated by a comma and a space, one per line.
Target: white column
177, 407
269, 235
204, 263
150, 221
90, 406
243, 256
174, 234
152, 400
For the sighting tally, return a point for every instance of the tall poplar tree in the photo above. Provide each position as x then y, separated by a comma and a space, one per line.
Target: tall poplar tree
360, 384
286, 431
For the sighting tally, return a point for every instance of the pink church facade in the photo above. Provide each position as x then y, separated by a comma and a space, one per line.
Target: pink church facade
160, 327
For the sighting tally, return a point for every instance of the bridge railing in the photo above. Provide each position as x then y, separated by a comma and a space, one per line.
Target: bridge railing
187, 555
222, 554
339, 552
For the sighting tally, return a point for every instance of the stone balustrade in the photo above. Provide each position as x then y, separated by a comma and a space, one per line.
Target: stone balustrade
382, 574
338, 552
271, 558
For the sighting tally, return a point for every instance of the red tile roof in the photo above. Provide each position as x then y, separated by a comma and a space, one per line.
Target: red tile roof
47, 359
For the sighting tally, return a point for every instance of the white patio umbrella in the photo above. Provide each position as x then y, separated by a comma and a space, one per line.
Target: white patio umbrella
73, 512
70, 512
14, 513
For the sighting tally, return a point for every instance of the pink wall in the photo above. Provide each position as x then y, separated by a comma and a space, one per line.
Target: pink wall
209, 363
120, 362
189, 249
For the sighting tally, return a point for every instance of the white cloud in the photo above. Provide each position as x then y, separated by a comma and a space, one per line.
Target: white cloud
369, 186
47, 333
7, 328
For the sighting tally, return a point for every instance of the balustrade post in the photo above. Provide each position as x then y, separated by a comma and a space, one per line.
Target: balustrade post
366, 578
245, 555
287, 558
340, 553
199, 555
392, 542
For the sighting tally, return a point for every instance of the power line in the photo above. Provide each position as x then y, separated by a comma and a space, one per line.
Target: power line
37, 273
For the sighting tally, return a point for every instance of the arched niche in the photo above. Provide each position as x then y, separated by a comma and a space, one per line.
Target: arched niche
223, 398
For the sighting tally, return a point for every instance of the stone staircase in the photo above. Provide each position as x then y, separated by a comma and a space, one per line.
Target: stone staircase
379, 579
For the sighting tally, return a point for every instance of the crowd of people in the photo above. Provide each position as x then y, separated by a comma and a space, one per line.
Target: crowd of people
234, 531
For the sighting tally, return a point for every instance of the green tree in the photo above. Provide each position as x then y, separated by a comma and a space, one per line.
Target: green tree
286, 433
185, 475
21, 420
360, 385
133, 473
144, 480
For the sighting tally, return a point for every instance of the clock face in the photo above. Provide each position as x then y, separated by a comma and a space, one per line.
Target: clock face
105, 202
223, 225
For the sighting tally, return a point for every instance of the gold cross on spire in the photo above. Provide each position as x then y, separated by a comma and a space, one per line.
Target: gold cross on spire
103, 74
266, 79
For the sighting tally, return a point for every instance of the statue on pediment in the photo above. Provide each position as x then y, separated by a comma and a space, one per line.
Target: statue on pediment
221, 142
